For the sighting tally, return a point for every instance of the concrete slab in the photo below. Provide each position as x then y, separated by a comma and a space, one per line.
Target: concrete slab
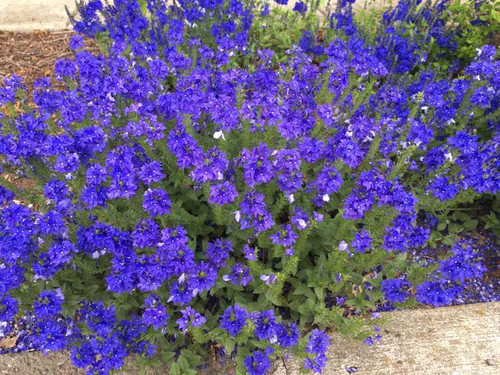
29, 15
458, 340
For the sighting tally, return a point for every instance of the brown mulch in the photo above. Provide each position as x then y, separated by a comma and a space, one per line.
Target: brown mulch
32, 55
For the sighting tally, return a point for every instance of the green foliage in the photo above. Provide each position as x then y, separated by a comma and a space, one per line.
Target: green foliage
492, 219
475, 23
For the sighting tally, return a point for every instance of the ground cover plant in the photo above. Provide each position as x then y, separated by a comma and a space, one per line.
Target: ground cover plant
199, 185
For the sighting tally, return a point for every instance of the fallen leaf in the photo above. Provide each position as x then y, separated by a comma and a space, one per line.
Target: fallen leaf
8, 342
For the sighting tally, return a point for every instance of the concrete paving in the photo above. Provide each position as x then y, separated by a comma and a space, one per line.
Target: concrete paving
458, 340
29, 15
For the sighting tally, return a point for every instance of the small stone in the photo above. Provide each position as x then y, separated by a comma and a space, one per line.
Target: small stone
490, 362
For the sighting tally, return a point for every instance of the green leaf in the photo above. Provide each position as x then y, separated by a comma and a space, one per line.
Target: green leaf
471, 224
174, 369
303, 290
229, 344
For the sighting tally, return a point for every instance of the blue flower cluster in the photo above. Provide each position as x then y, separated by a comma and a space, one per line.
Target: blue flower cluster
192, 188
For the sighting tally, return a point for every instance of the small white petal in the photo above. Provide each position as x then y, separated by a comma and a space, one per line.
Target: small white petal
219, 134
302, 223
343, 246
326, 198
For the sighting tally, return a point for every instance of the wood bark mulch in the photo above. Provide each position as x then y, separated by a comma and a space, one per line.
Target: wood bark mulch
33, 55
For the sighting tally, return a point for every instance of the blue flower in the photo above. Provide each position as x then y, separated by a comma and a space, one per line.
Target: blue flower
223, 193
318, 342
234, 319
155, 313
300, 7
288, 335
442, 188
156, 202
48, 304
362, 242
257, 363
435, 293
8, 308
265, 325
396, 290
190, 316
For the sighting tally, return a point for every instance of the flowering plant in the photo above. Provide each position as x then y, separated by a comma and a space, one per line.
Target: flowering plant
187, 189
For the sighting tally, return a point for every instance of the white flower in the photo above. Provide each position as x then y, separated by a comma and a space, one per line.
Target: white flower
219, 134
343, 246
326, 198
302, 223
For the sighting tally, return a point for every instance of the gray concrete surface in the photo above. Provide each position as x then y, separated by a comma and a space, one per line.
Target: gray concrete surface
459, 340
29, 15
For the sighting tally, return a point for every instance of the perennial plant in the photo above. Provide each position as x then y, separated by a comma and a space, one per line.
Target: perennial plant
193, 189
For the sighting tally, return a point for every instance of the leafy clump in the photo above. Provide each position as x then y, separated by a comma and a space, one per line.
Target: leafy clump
192, 189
